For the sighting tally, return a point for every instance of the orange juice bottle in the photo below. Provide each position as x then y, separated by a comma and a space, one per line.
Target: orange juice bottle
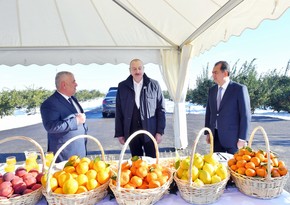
10, 164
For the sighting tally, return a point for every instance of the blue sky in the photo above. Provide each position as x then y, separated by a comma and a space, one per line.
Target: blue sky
269, 44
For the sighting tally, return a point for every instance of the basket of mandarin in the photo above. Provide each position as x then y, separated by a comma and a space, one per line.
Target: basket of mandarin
206, 181
21, 184
79, 181
258, 173
138, 181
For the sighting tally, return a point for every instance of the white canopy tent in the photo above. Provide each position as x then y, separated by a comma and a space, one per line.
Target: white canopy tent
164, 32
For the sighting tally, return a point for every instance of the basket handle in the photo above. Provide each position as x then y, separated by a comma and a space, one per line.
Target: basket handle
48, 190
267, 147
125, 147
194, 148
30, 140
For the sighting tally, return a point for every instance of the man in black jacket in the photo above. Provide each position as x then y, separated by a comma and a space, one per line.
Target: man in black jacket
139, 106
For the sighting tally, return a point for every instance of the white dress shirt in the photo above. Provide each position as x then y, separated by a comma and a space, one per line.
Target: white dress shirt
137, 89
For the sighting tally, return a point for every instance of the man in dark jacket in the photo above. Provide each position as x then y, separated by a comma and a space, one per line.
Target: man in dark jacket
139, 106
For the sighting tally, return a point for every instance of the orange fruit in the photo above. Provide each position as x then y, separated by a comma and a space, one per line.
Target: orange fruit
261, 172
139, 163
82, 179
91, 174
231, 162
144, 185
154, 184
82, 167
275, 172
92, 184
62, 178
85, 159
241, 163
142, 171
162, 179
58, 190
70, 186
136, 181
275, 162
151, 176
250, 172
69, 169
241, 170
99, 165
246, 157
81, 189
234, 167
129, 186
256, 161
125, 165
281, 163
282, 170
241, 151
125, 178
74, 160
250, 165
57, 173
103, 176
260, 156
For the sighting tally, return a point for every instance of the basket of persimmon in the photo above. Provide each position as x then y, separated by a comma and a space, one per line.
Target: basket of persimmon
138, 181
23, 185
258, 173
79, 181
206, 181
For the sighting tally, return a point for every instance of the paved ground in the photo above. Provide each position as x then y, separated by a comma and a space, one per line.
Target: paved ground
103, 129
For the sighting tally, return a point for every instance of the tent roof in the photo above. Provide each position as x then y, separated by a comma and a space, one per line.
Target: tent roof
115, 31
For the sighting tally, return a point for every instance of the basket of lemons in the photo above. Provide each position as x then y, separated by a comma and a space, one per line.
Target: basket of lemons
208, 178
19, 185
80, 181
140, 181
258, 173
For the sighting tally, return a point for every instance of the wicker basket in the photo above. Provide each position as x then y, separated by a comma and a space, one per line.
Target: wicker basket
139, 196
86, 198
264, 188
33, 197
207, 193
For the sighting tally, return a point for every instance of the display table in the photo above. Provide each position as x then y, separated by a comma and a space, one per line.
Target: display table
230, 196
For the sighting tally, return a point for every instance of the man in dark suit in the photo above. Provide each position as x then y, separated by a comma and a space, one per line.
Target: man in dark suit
64, 118
228, 111
139, 106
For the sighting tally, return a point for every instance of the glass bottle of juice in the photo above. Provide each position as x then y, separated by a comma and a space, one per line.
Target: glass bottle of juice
10, 164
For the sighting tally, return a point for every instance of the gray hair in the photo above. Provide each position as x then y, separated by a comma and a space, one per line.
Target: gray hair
60, 76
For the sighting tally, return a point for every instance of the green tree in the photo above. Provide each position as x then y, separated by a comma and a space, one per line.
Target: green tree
8, 102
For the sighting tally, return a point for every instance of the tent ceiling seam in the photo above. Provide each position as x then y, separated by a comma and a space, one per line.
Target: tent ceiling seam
180, 14
145, 24
230, 5
105, 25
61, 21
85, 48
19, 22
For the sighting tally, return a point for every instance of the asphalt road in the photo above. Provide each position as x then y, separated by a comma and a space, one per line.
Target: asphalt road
103, 129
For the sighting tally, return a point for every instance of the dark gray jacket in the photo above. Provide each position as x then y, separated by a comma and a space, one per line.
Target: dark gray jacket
152, 107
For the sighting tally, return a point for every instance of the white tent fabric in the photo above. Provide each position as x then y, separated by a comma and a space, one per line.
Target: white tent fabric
116, 31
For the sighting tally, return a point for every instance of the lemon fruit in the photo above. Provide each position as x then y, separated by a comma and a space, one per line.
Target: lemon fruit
209, 158
62, 178
198, 161
179, 172
91, 174
215, 179
70, 186
194, 173
81, 189
92, 184
209, 168
204, 176
198, 182
99, 165
222, 171
185, 163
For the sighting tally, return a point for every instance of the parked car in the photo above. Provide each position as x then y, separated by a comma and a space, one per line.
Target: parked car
109, 103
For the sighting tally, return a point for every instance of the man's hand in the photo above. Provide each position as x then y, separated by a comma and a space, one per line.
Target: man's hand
241, 144
121, 140
81, 118
207, 139
158, 138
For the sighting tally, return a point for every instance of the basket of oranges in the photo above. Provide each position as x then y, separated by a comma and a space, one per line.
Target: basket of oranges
259, 173
80, 181
139, 181
206, 181
19, 185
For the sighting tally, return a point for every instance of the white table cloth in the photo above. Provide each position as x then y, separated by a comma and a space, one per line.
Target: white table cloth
231, 196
